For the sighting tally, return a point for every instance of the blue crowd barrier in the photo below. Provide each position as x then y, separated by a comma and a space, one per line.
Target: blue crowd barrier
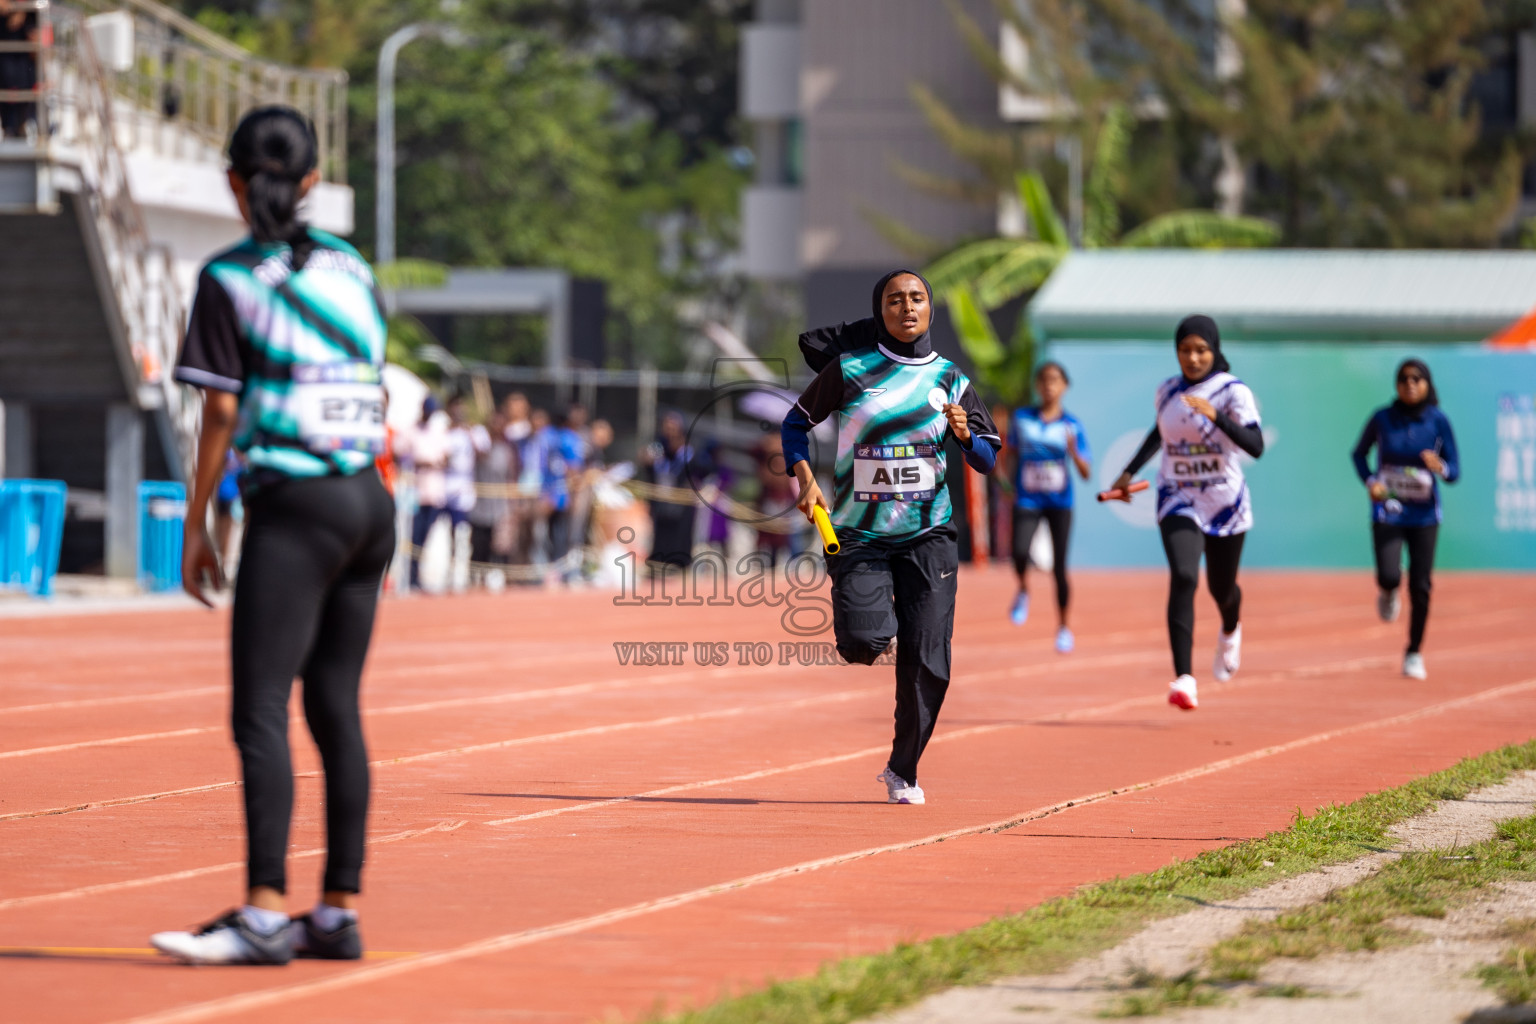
162, 509
31, 530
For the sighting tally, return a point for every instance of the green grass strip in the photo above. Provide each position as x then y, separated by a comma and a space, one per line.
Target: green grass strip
1514, 976
1425, 883
1046, 938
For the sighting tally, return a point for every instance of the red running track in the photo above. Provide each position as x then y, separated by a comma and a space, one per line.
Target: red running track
558, 837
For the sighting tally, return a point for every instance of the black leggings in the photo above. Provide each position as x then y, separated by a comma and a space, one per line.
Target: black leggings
880, 591
1420, 540
1183, 542
310, 566
1025, 522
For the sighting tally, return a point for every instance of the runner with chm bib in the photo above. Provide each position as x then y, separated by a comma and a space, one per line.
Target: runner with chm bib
1195, 465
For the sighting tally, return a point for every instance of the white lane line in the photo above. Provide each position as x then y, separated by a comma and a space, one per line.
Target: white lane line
113, 741
538, 738
129, 698
211, 869
1023, 671
221, 1007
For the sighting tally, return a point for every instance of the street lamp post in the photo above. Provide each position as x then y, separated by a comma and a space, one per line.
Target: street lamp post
384, 210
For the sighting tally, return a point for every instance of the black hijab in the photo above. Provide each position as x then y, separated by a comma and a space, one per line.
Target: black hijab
1203, 327
1431, 398
920, 346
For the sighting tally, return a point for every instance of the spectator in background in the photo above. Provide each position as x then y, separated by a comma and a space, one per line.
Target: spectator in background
18, 71
563, 459
515, 408
427, 452
776, 496
490, 519
466, 441
670, 462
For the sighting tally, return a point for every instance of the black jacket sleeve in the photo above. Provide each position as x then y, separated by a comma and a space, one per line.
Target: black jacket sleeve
1145, 452
822, 345
1249, 438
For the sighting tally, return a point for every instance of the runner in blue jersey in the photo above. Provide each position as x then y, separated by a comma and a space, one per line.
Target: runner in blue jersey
1415, 449
286, 340
897, 402
1048, 443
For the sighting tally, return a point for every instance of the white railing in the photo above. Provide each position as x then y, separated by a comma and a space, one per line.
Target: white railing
148, 313
186, 88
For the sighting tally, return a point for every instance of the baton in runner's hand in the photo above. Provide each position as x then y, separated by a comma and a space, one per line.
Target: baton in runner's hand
1123, 493
824, 527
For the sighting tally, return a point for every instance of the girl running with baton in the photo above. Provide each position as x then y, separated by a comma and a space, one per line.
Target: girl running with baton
895, 575
287, 342
1205, 416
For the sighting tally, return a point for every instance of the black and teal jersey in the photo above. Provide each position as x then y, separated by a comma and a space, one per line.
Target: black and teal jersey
891, 473
303, 349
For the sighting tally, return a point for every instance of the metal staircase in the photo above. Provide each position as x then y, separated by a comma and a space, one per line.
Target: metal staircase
92, 308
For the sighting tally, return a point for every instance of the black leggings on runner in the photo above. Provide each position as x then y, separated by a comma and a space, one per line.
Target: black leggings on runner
310, 566
1420, 540
881, 591
1183, 542
1025, 522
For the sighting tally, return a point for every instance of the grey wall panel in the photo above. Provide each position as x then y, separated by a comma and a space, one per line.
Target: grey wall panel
861, 58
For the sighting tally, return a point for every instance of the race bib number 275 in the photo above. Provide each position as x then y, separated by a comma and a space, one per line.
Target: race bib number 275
339, 406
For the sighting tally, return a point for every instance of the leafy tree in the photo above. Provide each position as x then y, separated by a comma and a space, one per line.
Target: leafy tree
1352, 123
978, 277
548, 139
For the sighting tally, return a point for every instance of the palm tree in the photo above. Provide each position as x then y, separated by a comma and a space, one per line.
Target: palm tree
979, 276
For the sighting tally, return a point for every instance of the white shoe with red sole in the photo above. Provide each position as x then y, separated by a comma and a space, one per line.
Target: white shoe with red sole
1181, 693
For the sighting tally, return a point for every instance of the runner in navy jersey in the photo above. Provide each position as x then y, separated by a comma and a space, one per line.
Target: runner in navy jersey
1415, 449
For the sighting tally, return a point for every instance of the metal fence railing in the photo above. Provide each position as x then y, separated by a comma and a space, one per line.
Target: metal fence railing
186, 87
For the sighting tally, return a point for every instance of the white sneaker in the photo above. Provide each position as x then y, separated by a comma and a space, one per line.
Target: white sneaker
1229, 654
1181, 693
1389, 604
898, 790
1413, 666
228, 940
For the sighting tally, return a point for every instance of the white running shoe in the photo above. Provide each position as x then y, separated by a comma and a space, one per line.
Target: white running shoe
1065, 641
898, 790
1413, 666
1229, 654
1181, 693
1389, 604
228, 940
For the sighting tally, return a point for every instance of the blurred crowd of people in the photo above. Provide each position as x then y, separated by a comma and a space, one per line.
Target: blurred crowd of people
18, 68
522, 483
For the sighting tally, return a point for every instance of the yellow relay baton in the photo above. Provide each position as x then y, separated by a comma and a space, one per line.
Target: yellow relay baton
824, 527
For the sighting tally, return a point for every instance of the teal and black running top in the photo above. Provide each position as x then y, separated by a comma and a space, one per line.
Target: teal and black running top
303, 349
890, 479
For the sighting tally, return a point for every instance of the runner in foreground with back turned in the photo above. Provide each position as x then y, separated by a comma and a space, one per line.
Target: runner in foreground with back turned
1205, 416
1045, 439
1414, 445
895, 574
287, 342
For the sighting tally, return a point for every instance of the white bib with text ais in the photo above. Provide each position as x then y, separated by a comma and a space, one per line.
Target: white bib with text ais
1194, 465
895, 472
339, 406
1045, 477
1407, 483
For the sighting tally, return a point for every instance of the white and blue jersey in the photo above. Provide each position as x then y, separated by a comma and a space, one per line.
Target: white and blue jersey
1399, 436
1200, 476
1043, 475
